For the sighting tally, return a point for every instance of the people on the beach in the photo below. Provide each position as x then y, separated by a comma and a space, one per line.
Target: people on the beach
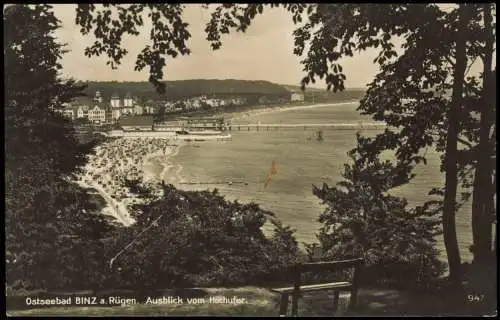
121, 159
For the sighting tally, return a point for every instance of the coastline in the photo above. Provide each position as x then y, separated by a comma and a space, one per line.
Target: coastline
151, 159
158, 165
172, 171
120, 159
280, 108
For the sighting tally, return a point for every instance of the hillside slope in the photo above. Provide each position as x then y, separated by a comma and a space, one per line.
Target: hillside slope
186, 88
176, 90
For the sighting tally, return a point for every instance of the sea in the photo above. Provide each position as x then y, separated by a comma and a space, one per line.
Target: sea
238, 168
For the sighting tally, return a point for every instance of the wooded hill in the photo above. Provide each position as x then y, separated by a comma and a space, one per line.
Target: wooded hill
176, 90
182, 89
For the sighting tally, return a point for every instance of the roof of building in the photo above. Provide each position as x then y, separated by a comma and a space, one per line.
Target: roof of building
101, 105
137, 121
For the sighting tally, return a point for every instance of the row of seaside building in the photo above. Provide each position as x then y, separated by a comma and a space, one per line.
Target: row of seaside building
98, 111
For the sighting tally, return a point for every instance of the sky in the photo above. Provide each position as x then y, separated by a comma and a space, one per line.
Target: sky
263, 52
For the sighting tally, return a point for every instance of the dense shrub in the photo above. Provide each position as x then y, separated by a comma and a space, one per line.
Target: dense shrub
191, 239
54, 243
363, 220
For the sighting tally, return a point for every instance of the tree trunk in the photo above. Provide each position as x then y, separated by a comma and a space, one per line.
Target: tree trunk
493, 214
476, 211
482, 210
451, 183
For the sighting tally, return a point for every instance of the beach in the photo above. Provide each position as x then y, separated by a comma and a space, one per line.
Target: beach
123, 159
248, 114
237, 168
148, 159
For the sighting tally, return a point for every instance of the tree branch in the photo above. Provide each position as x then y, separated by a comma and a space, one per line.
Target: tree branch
449, 60
468, 68
468, 144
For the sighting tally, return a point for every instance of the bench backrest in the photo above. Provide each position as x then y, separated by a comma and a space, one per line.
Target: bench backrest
328, 266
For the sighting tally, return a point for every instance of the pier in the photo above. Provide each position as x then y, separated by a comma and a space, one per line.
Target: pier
306, 126
219, 182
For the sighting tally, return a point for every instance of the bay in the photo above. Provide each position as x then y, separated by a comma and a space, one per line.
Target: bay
238, 168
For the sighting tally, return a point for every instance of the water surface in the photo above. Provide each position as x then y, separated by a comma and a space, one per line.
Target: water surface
301, 160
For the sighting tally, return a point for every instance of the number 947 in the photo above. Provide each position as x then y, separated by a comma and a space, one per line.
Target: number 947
475, 297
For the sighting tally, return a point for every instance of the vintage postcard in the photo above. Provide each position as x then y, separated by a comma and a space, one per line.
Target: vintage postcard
280, 159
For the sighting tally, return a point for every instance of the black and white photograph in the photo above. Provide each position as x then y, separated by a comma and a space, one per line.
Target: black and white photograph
250, 159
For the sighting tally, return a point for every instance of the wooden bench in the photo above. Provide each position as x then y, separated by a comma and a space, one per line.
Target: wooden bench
316, 267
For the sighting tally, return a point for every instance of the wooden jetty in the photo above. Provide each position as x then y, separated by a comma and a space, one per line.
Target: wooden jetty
305, 126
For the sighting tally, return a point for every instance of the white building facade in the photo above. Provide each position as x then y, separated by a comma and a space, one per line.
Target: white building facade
297, 96
128, 101
115, 102
97, 114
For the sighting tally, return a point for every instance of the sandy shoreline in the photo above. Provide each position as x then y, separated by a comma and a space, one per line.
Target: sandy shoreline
120, 159
148, 159
246, 114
